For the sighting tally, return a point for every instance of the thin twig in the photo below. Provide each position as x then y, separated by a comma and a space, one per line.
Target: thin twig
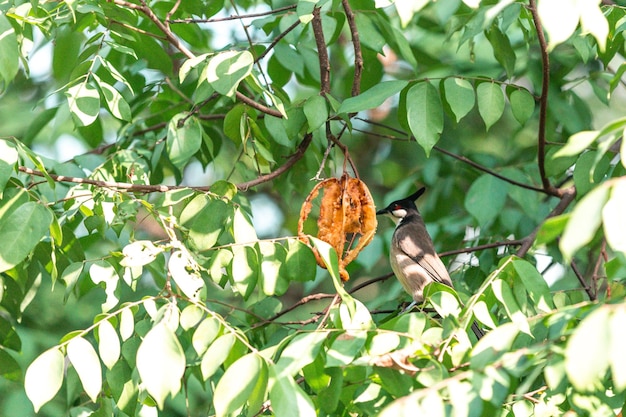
295, 157
543, 102
322, 52
235, 17
581, 279
278, 38
569, 194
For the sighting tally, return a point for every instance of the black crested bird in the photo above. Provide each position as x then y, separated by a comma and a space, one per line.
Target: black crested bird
413, 258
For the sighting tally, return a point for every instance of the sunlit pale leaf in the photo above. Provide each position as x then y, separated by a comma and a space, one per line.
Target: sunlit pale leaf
288, 399
592, 335
300, 351
102, 272
205, 334
44, 377
85, 361
84, 102
216, 354
139, 253
577, 143
583, 222
614, 217
184, 271
226, 70
559, 18
245, 269
618, 342
243, 382
108, 344
161, 363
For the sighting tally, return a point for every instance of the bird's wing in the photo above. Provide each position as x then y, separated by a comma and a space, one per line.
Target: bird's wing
427, 258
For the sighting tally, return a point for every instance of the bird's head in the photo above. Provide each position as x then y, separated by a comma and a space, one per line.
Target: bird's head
399, 209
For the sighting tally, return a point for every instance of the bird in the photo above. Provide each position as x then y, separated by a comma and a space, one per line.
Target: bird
412, 254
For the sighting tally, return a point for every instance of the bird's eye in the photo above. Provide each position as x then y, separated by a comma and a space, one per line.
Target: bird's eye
397, 207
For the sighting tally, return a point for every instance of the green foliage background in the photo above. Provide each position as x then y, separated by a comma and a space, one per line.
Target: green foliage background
154, 157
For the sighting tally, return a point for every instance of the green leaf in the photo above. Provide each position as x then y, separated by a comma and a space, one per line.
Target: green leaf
460, 96
85, 360
490, 102
185, 273
8, 159
9, 368
504, 294
108, 344
9, 51
44, 377
502, 50
245, 270
288, 399
300, 264
614, 217
424, 114
522, 104
70, 277
84, 102
586, 371
301, 351
372, 98
245, 381
316, 111
535, 284
205, 334
24, 228
8, 336
205, 218
124, 387
227, 69
486, 198
551, 229
216, 354
183, 141
161, 363
583, 222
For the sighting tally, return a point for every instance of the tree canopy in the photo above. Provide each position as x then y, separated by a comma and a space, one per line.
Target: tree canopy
187, 190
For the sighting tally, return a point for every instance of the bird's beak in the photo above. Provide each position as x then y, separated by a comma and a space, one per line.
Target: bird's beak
382, 211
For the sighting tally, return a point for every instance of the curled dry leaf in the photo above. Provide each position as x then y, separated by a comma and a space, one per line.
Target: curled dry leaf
347, 219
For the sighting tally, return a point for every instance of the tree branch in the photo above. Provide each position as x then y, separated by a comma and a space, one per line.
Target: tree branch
322, 52
295, 157
356, 44
235, 17
569, 194
543, 103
